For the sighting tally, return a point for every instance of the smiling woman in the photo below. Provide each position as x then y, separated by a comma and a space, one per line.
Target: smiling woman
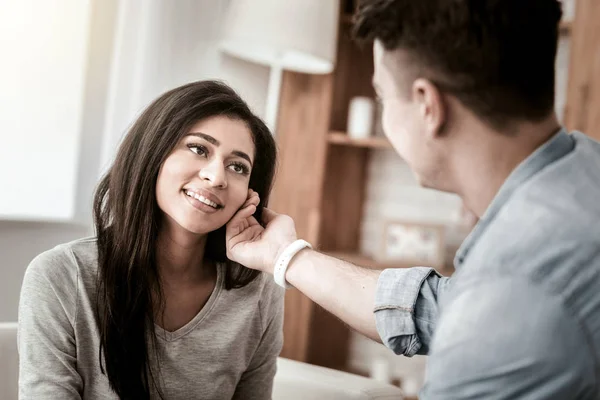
151, 307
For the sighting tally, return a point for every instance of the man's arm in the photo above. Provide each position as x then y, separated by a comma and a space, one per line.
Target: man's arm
504, 338
404, 301
343, 289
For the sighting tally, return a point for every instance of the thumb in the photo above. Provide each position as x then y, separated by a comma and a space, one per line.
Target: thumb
268, 215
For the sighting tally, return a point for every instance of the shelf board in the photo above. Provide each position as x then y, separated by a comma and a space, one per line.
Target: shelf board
342, 139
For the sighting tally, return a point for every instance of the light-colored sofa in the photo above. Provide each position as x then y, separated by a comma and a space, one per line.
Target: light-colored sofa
301, 381
294, 380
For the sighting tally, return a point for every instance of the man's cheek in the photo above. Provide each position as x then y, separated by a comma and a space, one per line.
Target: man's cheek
387, 122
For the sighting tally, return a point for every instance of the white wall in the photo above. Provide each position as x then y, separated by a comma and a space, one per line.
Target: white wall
44, 50
21, 241
162, 44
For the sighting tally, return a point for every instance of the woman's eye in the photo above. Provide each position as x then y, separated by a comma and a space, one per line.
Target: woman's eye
239, 168
198, 149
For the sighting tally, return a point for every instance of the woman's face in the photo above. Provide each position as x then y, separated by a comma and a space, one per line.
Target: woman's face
204, 180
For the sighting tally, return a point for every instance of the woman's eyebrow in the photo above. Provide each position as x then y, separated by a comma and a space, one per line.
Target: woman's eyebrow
206, 137
242, 155
216, 143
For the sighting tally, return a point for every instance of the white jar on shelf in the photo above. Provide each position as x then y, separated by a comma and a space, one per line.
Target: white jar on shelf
360, 117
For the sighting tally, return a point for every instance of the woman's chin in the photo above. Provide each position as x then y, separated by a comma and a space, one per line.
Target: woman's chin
198, 229
187, 226
193, 224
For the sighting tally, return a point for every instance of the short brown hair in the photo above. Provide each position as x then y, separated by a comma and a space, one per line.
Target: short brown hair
496, 56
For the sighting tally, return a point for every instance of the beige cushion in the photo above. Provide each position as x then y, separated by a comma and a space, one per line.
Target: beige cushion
300, 381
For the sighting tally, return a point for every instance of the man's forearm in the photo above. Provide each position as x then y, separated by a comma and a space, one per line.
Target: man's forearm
343, 289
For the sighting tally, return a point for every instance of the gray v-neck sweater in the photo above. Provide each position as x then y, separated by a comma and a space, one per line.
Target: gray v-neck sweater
227, 351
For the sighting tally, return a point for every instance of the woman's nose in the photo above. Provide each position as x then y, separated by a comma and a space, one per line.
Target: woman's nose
214, 173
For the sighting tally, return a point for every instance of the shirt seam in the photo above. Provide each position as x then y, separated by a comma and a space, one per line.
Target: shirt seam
261, 305
73, 259
76, 313
394, 307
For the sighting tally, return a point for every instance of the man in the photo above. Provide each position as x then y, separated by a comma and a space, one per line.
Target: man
468, 95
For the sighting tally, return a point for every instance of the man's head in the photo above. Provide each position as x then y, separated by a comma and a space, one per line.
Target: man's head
448, 68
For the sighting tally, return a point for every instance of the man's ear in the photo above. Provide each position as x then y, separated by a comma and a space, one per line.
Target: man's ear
431, 106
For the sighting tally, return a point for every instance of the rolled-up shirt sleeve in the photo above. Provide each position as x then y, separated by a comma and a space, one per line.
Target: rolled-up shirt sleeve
406, 308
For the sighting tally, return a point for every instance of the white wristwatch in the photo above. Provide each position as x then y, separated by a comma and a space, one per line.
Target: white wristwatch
284, 259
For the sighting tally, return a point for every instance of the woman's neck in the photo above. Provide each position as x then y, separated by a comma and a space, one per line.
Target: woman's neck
180, 257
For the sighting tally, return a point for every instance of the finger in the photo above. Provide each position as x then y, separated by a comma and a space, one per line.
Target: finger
254, 199
252, 221
247, 211
234, 228
245, 236
238, 223
268, 215
251, 194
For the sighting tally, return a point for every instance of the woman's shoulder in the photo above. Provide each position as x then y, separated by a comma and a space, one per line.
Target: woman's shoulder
79, 250
65, 262
54, 276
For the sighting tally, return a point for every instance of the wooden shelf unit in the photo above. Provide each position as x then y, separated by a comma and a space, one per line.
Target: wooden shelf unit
322, 173
342, 139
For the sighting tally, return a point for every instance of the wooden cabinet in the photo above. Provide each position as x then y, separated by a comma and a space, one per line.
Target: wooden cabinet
322, 174
321, 183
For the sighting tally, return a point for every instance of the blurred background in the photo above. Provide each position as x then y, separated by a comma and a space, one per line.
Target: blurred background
75, 74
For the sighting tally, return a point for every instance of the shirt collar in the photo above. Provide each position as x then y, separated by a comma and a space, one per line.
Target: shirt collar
557, 147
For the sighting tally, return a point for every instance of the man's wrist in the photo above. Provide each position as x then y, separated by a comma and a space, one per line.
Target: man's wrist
284, 259
297, 264
278, 253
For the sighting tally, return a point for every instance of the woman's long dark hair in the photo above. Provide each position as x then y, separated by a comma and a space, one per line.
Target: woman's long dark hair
128, 219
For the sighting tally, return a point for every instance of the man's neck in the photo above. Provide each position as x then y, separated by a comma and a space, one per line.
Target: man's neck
483, 166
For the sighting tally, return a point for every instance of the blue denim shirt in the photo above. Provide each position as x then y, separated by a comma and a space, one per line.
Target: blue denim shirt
520, 317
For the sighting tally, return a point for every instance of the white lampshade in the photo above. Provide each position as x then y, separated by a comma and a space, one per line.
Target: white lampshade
295, 35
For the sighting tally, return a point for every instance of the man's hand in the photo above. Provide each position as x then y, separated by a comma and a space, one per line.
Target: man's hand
343, 289
253, 246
